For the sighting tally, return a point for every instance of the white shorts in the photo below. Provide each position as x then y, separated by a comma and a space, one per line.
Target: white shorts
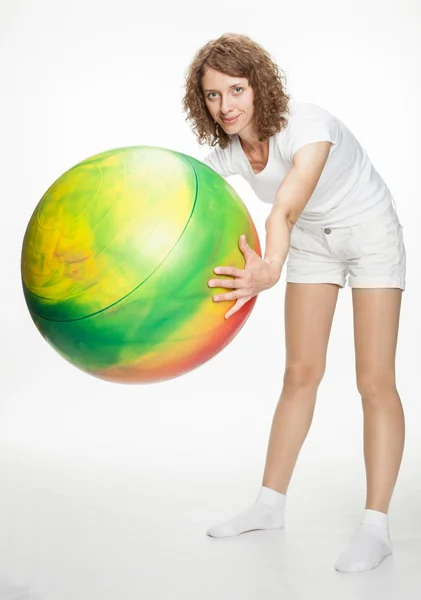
371, 254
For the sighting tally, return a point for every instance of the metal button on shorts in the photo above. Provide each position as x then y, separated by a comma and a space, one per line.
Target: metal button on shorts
327, 230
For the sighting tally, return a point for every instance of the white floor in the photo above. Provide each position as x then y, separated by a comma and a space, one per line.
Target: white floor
72, 531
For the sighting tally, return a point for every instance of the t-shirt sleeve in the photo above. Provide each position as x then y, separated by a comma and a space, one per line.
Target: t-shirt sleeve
307, 129
217, 160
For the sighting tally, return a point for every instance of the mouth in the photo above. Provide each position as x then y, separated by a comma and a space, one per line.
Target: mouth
230, 121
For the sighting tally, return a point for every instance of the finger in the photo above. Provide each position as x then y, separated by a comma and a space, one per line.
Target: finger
230, 296
228, 271
239, 304
223, 283
238, 294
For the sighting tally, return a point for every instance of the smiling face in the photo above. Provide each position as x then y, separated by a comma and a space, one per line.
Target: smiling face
229, 101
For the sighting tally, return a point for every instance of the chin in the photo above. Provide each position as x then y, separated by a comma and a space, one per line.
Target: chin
232, 130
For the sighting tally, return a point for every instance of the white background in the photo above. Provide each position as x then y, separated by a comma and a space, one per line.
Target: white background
82, 77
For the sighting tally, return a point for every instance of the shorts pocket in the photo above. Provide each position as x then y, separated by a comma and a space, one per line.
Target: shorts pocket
381, 233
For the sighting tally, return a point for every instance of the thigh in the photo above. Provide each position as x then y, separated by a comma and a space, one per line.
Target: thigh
376, 325
311, 259
309, 310
381, 255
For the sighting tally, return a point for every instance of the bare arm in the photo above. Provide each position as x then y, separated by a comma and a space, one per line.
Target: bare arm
292, 196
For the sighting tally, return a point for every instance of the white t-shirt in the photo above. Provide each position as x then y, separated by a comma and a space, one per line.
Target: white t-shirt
349, 191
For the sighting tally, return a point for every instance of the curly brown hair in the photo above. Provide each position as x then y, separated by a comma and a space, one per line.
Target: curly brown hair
238, 56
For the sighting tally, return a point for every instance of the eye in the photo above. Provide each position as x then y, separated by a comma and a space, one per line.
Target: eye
210, 95
238, 88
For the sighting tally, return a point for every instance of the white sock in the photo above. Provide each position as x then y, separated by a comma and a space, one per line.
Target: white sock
266, 513
370, 545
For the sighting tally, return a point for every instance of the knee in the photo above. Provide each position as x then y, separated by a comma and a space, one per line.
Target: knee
375, 387
303, 375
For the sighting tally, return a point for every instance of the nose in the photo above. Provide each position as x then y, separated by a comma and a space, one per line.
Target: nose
226, 105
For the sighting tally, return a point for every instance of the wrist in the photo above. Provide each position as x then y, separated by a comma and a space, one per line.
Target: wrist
275, 266
275, 262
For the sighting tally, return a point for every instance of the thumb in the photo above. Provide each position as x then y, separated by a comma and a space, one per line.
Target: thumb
245, 248
243, 241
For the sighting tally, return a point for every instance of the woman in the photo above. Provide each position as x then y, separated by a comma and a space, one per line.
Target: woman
333, 216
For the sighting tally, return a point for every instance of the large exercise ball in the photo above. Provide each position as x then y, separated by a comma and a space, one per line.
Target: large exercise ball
116, 259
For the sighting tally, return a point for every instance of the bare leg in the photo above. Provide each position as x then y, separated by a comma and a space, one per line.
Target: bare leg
376, 323
309, 310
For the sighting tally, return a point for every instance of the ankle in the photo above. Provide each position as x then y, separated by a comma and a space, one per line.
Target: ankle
271, 497
375, 517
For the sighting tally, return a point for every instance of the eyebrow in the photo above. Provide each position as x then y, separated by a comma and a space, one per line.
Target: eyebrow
231, 86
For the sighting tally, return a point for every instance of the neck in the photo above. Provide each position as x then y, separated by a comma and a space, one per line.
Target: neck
252, 144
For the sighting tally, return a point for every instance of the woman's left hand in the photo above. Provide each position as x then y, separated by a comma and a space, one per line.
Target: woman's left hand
257, 275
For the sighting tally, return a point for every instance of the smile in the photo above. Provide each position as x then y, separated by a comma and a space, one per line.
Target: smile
230, 121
